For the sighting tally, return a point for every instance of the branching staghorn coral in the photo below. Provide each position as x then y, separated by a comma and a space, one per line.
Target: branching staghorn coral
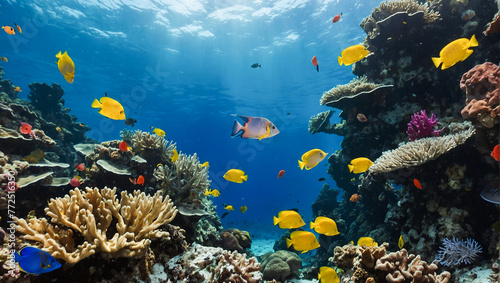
352, 88
89, 215
420, 151
185, 180
143, 143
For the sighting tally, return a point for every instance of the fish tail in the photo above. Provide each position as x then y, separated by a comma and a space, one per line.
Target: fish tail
473, 41
96, 103
350, 167
244, 177
311, 225
288, 243
260, 66
317, 67
237, 127
341, 61
275, 220
301, 165
437, 61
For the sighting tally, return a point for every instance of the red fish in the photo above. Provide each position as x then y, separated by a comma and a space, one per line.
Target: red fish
354, 198
138, 181
315, 63
25, 128
123, 146
495, 153
417, 184
8, 30
336, 18
281, 173
80, 167
19, 28
75, 182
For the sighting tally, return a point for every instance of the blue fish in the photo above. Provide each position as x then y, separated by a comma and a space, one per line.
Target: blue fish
35, 261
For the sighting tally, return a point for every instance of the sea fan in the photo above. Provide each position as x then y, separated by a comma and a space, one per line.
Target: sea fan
455, 252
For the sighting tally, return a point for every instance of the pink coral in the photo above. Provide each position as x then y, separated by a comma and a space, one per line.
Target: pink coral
422, 126
481, 85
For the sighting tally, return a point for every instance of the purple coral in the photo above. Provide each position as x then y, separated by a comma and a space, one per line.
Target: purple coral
422, 126
455, 252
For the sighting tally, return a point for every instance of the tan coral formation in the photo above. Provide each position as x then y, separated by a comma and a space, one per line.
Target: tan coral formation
144, 142
355, 86
420, 151
89, 214
184, 179
402, 267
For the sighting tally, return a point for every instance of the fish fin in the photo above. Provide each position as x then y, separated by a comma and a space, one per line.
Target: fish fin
350, 167
304, 252
317, 67
96, 104
288, 243
301, 165
341, 61
473, 41
260, 66
311, 225
237, 127
244, 177
58, 55
437, 61
276, 220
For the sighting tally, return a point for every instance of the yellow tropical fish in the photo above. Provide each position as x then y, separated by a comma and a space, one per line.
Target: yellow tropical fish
31, 214
243, 209
454, 52
159, 132
34, 156
302, 241
328, 275
175, 156
109, 108
235, 175
352, 54
401, 242
214, 193
312, 158
288, 219
58, 129
228, 207
66, 66
367, 241
324, 225
205, 164
360, 165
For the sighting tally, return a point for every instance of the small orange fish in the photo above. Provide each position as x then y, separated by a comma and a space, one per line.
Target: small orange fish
495, 153
417, 184
25, 128
123, 146
315, 63
361, 117
80, 167
354, 198
281, 173
138, 181
19, 28
17, 89
8, 30
336, 18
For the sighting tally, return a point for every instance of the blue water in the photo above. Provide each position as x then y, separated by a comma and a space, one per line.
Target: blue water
185, 67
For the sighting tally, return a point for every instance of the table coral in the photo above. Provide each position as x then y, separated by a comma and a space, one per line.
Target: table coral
401, 267
88, 215
482, 89
418, 152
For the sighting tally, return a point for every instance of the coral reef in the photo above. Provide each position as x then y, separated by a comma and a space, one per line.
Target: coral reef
90, 215
235, 240
401, 266
149, 146
280, 265
456, 252
209, 264
419, 151
482, 89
